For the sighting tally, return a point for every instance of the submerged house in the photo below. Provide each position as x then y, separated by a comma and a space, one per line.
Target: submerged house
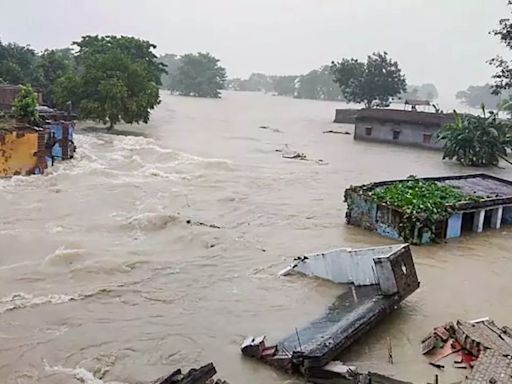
473, 203
8, 94
400, 127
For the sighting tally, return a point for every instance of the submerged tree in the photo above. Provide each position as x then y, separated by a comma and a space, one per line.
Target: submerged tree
477, 141
199, 75
284, 85
117, 80
318, 84
172, 63
373, 83
25, 105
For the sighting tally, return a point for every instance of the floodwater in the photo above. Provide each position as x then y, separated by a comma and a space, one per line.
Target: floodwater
145, 254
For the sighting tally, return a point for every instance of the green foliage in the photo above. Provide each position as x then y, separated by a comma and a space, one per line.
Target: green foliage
318, 85
503, 76
475, 95
373, 83
25, 105
118, 79
284, 85
198, 75
51, 66
172, 64
17, 64
421, 203
477, 141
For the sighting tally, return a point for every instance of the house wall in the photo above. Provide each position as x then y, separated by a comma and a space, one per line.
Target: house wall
409, 133
20, 153
361, 211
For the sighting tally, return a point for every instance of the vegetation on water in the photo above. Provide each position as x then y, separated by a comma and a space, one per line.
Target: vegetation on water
198, 75
477, 141
25, 105
422, 203
373, 83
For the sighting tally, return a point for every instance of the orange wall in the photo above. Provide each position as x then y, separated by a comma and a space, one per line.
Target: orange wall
18, 153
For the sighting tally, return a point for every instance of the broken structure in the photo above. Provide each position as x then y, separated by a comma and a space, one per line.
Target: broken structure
29, 150
488, 205
203, 375
483, 347
378, 278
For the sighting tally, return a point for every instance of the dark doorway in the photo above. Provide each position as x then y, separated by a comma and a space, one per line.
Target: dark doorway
467, 221
487, 219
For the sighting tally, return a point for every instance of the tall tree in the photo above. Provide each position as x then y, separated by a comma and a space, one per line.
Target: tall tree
17, 64
503, 78
373, 83
199, 75
51, 66
117, 80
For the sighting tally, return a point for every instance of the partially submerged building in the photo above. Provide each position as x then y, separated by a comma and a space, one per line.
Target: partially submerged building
22, 151
377, 278
400, 127
488, 206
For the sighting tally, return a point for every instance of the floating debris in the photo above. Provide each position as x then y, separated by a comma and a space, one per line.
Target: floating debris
337, 132
203, 375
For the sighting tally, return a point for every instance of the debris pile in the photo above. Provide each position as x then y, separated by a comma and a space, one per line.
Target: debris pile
481, 346
203, 375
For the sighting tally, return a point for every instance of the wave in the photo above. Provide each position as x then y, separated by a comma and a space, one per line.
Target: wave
79, 373
151, 222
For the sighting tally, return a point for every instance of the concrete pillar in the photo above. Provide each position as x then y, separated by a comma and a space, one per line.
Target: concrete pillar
454, 226
497, 214
478, 223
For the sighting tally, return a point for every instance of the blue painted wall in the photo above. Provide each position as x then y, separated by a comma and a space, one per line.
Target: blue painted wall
454, 226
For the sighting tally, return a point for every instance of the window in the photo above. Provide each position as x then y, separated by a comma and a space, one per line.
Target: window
368, 131
396, 134
427, 138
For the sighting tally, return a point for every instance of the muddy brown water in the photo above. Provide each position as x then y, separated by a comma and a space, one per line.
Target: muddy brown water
107, 275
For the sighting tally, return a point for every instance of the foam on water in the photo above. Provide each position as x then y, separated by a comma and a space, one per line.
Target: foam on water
22, 300
80, 374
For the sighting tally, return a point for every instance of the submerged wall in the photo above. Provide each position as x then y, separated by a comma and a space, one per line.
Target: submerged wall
22, 153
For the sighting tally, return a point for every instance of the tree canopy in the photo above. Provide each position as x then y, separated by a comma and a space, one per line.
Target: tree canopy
284, 85
172, 63
476, 95
421, 92
503, 78
17, 64
318, 84
198, 75
117, 80
373, 83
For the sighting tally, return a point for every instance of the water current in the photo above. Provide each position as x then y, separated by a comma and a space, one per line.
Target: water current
152, 252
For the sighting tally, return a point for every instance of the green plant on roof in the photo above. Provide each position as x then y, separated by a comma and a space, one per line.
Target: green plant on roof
421, 203
25, 105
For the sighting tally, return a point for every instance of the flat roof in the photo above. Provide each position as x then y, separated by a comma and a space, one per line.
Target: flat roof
493, 190
401, 116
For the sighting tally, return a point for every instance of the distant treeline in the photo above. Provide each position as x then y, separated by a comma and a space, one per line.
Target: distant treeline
476, 95
317, 84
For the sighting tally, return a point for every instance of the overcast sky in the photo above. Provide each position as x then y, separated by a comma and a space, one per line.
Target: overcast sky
441, 41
